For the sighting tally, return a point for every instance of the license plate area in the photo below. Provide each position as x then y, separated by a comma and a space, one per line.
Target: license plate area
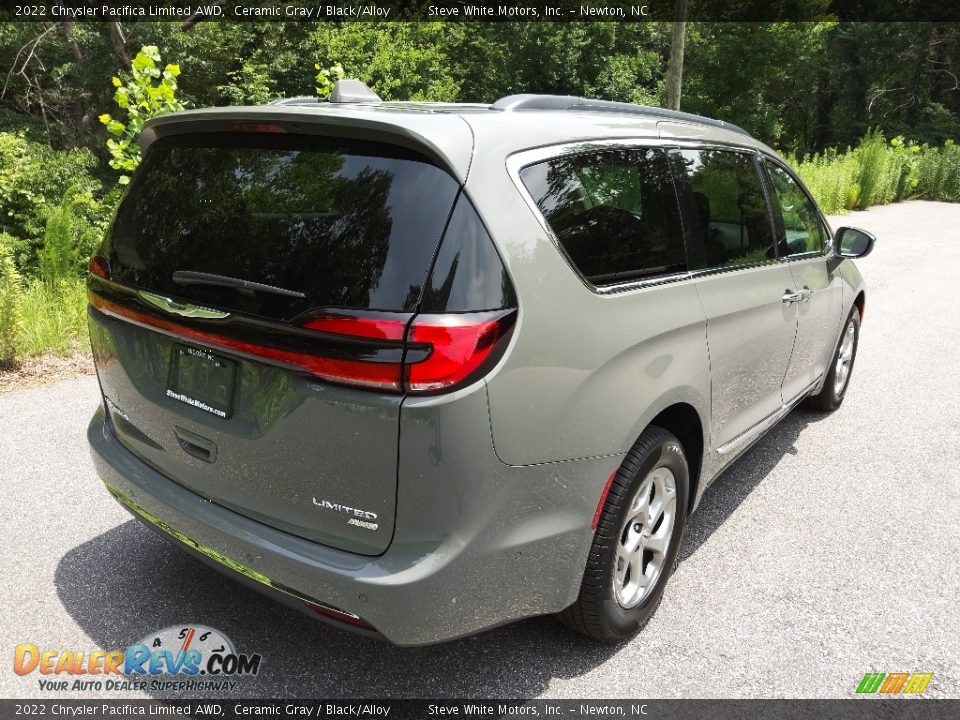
202, 380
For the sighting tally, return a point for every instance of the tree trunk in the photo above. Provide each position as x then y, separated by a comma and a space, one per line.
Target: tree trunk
67, 29
120, 44
675, 64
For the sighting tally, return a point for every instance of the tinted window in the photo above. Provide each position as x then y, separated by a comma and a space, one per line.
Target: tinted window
468, 274
724, 207
801, 231
614, 212
351, 225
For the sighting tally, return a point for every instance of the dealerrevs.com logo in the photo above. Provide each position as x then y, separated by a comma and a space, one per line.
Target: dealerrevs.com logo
177, 658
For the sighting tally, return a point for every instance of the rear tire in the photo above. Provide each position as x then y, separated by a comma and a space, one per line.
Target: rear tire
621, 590
841, 367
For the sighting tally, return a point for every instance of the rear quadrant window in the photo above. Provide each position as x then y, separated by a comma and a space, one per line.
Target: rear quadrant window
613, 211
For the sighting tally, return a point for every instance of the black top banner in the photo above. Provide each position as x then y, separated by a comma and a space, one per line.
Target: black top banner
476, 11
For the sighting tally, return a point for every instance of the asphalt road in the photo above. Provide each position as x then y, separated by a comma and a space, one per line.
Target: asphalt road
831, 549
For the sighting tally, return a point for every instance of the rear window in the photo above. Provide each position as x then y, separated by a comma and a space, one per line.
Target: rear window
338, 223
614, 212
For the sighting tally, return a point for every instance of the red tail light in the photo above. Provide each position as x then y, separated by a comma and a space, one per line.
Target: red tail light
340, 615
99, 267
364, 373
380, 351
458, 345
249, 127
442, 350
377, 375
367, 372
379, 328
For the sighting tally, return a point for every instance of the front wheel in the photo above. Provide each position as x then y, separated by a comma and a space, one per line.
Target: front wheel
638, 536
838, 378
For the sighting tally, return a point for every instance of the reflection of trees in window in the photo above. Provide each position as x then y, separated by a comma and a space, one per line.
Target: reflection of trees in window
613, 211
291, 218
800, 223
729, 212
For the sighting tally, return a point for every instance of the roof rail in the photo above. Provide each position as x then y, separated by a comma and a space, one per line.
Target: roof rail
304, 100
528, 101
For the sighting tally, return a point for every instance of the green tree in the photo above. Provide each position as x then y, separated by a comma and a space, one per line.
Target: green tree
327, 77
761, 76
146, 92
612, 61
399, 61
33, 179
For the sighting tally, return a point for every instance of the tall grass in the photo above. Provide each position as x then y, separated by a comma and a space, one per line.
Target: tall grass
49, 314
54, 317
877, 172
11, 321
938, 173
832, 178
56, 256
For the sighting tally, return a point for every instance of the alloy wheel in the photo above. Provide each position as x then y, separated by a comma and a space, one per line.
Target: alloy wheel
844, 359
645, 538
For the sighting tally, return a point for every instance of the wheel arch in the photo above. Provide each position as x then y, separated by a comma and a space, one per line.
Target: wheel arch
860, 301
682, 420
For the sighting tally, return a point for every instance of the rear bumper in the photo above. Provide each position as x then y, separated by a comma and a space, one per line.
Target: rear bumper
508, 552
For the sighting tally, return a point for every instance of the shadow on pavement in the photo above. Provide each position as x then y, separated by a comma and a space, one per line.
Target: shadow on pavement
128, 582
736, 483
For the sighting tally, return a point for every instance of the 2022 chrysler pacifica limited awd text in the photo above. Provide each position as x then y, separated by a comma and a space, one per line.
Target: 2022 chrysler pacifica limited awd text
423, 369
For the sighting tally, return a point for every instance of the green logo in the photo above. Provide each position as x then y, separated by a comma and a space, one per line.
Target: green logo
894, 683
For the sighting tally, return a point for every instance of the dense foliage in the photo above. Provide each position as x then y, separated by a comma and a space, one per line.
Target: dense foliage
145, 92
74, 97
878, 172
801, 86
34, 180
11, 321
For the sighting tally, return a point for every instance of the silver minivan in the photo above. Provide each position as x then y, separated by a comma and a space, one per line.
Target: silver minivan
422, 369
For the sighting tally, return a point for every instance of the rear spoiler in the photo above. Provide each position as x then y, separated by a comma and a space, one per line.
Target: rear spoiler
445, 138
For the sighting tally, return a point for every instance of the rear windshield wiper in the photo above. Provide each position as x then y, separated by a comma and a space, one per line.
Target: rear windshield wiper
189, 277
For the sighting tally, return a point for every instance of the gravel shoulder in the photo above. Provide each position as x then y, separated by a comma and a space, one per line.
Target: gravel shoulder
46, 369
829, 550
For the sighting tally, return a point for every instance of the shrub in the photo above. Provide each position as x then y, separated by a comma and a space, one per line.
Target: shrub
832, 178
57, 256
145, 92
878, 172
33, 179
11, 323
54, 317
938, 173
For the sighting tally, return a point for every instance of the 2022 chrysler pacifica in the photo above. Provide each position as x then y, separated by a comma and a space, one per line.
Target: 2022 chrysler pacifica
422, 369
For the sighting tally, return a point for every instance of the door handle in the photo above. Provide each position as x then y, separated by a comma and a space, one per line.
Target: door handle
790, 297
195, 445
806, 292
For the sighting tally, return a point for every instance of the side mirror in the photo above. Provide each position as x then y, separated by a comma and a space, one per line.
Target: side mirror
850, 242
